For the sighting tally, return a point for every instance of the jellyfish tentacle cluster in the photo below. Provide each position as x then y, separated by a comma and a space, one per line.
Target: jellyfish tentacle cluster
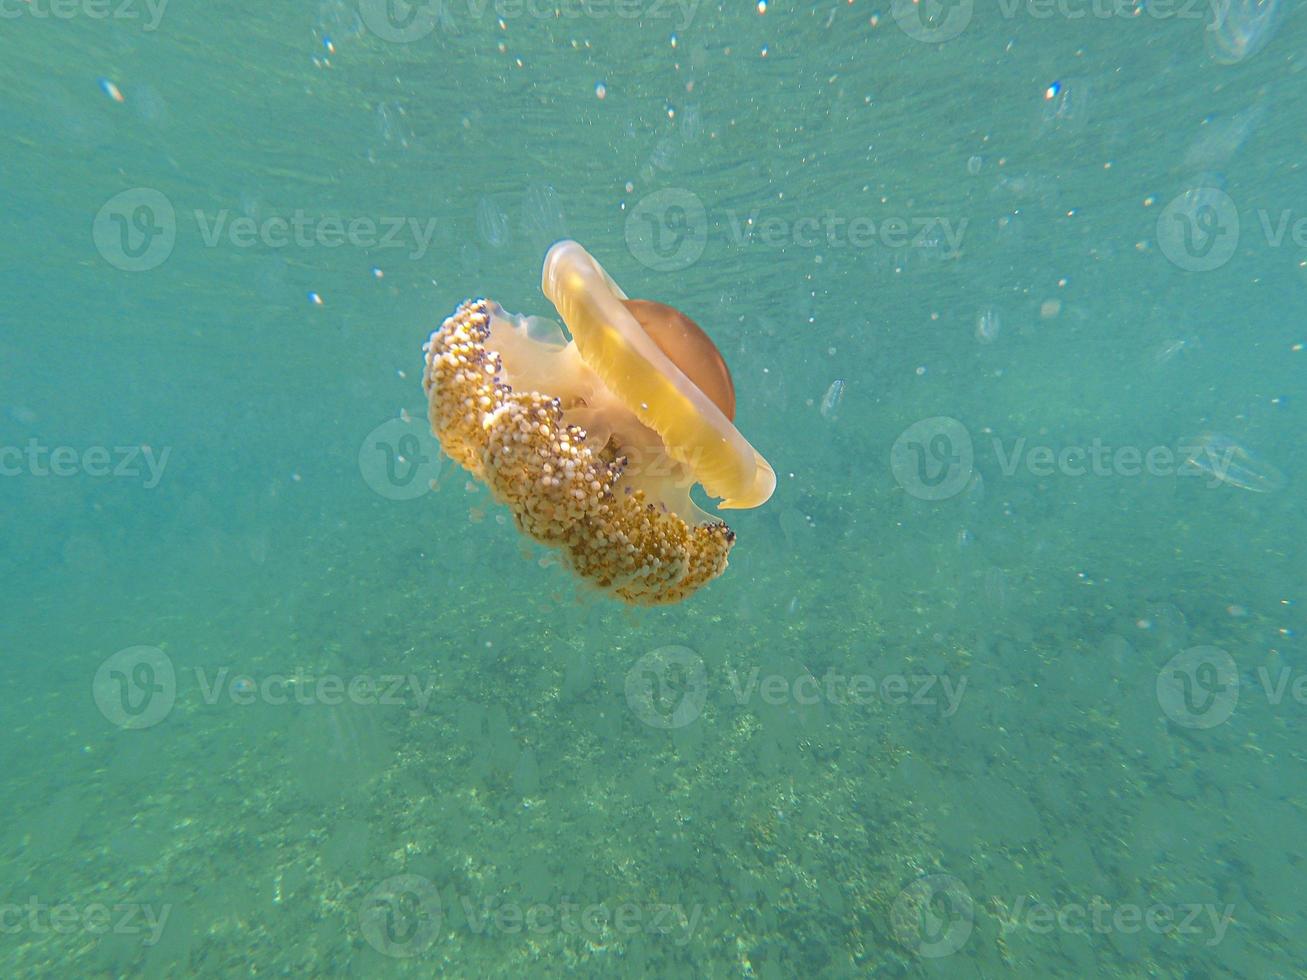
500, 391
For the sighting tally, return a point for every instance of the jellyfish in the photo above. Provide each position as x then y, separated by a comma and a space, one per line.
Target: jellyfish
595, 442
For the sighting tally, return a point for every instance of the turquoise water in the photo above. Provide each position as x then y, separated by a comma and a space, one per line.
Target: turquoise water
1005, 679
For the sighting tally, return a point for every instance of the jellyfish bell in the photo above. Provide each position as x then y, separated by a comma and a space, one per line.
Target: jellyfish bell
595, 441
637, 369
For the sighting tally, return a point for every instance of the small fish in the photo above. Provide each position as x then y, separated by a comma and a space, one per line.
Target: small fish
830, 402
1174, 347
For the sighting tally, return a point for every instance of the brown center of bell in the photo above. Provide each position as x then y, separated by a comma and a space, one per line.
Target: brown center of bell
689, 348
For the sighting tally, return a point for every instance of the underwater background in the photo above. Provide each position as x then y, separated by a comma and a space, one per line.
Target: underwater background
1007, 677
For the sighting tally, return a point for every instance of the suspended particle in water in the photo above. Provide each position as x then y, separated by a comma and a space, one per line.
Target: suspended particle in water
601, 91
1223, 460
542, 217
1066, 105
1240, 28
492, 223
339, 19
315, 299
663, 155
987, 326
111, 90
149, 105
830, 402
974, 165
691, 123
